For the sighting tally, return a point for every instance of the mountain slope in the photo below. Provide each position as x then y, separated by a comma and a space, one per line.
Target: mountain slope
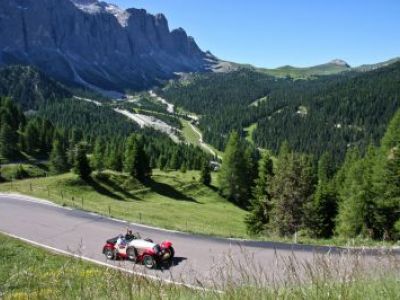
91, 43
327, 113
366, 68
29, 87
333, 113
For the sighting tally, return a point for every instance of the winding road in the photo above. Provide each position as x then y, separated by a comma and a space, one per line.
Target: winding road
200, 260
202, 143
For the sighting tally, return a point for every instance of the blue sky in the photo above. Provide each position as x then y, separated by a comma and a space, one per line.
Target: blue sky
270, 33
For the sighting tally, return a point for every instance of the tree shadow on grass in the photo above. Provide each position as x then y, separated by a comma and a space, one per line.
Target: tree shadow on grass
167, 191
114, 186
102, 190
213, 188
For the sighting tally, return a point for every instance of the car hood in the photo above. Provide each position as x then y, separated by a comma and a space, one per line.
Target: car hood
141, 244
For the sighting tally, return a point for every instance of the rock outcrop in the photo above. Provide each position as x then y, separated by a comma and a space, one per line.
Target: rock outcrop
96, 44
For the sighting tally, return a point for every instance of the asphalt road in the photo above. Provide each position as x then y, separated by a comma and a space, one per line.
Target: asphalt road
199, 260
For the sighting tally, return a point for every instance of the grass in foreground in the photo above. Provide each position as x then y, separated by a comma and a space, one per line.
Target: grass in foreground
29, 272
171, 200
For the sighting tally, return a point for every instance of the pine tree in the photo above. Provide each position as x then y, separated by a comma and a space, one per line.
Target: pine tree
387, 182
162, 162
8, 142
98, 155
32, 137
114, 159
356, 198
233, 173
183, 168
21, 138
260, 210
205, 173
58, 159
1, 174
251, 157
76, 137
321, 212
46, 136
136, 162
81, 163
174, 161
291, 190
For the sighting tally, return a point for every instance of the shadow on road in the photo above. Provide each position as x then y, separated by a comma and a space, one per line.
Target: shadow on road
175, 262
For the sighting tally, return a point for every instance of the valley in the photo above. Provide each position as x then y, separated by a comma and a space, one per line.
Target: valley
189, 133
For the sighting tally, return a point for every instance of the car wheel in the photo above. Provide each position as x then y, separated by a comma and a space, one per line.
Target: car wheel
131, 253
109, 253
149, 262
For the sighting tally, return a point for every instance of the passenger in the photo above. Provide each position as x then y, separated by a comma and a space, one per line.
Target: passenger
121, 242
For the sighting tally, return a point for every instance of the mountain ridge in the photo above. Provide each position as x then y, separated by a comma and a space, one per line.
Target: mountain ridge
333, 67
79, 46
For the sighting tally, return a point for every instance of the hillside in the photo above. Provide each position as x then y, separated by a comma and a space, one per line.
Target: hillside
331, 114
328, 112
29, 87
171, 200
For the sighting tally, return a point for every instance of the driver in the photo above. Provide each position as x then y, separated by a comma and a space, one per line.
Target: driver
129, 235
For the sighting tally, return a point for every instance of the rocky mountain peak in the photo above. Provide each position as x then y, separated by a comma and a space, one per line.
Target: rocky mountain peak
84, 2
340, 63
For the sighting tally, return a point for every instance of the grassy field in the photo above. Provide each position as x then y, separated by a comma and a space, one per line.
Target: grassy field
170, 200
29, 272
190, 135
10, 171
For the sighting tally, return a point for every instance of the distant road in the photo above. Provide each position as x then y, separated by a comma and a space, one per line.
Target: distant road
152, 122
201, 141
198, 258
141, 120
170, 106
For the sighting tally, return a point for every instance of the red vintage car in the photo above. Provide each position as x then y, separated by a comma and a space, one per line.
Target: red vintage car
139, 250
